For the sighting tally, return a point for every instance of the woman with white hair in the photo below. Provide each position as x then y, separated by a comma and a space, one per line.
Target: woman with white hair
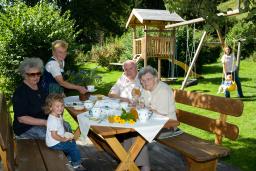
29, 119
157, 95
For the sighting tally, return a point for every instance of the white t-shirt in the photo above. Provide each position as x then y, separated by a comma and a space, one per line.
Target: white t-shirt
161, 99
54, 124
123, 87
54, 68
230, 62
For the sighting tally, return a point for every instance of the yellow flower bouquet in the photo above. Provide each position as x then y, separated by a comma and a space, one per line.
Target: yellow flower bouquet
125, 117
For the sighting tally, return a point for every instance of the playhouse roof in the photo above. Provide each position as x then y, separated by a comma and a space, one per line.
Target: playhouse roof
152, 17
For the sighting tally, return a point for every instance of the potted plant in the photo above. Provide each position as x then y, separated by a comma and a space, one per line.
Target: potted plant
84, 78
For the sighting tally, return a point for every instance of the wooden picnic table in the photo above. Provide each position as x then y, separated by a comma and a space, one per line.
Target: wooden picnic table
106, 138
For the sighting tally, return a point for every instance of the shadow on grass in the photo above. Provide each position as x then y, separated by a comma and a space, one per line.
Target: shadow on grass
242, 153
213, 69
200, 91
247, 98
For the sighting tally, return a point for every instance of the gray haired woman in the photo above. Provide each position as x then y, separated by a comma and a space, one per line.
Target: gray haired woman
28, 99
29, 119
157, 95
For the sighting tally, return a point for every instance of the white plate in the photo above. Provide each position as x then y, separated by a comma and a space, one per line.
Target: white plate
78, 107
71, 100
92, 90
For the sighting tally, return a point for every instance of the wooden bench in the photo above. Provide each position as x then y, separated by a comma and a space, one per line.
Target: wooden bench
202, 155
24, 154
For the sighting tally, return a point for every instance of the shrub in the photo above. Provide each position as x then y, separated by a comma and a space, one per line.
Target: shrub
243, 30
107, 54
28, 32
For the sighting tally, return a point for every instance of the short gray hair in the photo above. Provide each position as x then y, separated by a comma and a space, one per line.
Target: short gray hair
147, 69
29, 63
129, 62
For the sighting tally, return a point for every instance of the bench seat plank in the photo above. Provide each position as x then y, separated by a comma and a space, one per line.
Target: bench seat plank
53, 159
29, 156
197, 149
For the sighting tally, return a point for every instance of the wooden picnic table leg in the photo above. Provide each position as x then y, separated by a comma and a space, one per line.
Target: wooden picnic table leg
125, 157
3, 157
134, 149
77, 133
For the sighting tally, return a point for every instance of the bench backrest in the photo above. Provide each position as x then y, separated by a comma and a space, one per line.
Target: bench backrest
223, 106
6, 136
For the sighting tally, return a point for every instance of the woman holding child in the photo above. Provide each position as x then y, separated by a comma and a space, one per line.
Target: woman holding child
229, 66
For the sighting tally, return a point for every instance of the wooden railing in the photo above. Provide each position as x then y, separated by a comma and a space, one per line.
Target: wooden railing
138, 45
156, 47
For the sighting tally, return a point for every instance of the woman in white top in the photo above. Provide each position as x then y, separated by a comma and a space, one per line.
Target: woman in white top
53, 81
229, 66
157, 95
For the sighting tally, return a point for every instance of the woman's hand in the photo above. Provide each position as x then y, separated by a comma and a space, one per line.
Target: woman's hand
82, 90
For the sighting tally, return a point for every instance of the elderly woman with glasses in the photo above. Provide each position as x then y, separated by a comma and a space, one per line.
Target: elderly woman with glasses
29, 119
53, 80
157, 95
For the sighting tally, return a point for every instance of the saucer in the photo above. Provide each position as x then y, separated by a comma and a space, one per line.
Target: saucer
92, 91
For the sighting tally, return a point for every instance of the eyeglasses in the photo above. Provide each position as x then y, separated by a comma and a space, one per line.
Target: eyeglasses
147, 79
38, 74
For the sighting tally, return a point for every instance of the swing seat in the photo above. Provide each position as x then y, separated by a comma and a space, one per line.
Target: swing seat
232, 87
171, 79
191, 82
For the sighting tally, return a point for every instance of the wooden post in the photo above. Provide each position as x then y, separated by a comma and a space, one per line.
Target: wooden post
193, 61
172, 51
159, 68
134, 41
145, 46
222, 120
238, 56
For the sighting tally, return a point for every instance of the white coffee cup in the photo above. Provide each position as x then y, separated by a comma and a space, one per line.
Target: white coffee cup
88, 104
90, 88
143, 114
96, 112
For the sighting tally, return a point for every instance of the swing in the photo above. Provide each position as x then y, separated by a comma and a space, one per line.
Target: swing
189, 55
232, 87
172, 69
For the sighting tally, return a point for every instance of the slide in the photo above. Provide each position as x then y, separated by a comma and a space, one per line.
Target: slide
185, 67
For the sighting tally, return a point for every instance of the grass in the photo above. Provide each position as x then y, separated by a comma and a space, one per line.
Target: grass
242, 150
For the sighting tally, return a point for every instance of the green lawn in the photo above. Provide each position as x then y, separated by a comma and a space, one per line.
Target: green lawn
242, 150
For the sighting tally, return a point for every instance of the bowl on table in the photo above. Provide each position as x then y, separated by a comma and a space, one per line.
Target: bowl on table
88, 104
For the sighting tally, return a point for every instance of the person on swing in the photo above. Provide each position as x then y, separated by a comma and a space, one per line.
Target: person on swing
229, 66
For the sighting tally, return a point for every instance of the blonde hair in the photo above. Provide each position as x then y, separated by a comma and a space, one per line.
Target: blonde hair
50, 99
59, 43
